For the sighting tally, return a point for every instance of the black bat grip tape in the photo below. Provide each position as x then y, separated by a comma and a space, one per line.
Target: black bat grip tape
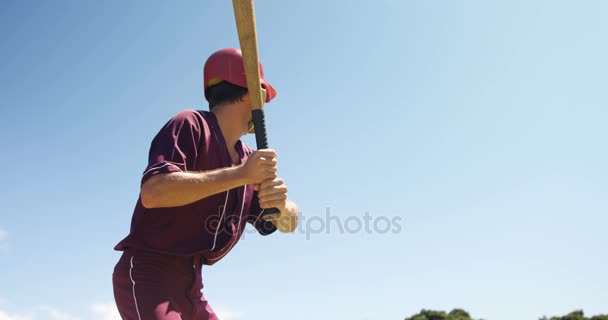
261, 139
259, 122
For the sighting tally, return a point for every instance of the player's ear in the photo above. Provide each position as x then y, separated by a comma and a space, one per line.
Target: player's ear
246, 101
246, 98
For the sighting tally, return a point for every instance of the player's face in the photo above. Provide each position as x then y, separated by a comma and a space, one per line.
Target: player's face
247, 101
247, 118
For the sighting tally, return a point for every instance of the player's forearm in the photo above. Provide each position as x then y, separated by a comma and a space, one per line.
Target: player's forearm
181, 188
288, 220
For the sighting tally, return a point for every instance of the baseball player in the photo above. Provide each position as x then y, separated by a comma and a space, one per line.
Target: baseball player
201, 187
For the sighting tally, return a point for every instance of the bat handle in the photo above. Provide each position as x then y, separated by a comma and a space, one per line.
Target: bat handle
261, 139
259, 123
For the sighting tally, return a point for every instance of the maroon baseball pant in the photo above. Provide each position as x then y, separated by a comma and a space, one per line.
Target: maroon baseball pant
150, 286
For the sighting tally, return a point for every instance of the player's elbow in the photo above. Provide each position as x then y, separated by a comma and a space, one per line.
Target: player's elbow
150, 195
287, 224
287, 229
148, 201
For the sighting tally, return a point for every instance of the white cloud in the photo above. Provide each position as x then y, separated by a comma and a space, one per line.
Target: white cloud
105, 311
101, 311
227, 313
13, 316
55, 314
108, 311
37, 313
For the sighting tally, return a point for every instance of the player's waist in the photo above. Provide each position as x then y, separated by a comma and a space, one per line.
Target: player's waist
165, 259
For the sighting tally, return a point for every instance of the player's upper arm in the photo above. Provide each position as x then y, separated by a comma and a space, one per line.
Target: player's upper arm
177, 145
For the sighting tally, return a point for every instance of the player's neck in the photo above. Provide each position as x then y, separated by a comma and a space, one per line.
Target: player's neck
231, 130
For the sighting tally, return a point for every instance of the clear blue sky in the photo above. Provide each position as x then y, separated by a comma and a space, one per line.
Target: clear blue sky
482, 124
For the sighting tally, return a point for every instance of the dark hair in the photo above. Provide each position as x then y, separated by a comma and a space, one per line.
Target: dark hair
223, 93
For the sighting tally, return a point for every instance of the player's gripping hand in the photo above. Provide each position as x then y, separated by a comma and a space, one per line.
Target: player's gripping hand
272, 194
260, 166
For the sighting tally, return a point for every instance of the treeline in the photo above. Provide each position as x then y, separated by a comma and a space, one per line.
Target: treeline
459, 314
577, 315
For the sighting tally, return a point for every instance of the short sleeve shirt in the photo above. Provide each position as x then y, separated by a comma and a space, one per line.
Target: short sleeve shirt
192, 141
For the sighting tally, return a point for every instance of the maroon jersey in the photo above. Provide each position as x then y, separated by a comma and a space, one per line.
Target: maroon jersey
193, 141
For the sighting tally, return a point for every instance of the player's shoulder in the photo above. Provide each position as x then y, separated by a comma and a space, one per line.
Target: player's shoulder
193, 117
189, 114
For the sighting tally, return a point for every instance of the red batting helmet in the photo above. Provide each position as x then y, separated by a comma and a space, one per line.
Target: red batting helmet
227, 65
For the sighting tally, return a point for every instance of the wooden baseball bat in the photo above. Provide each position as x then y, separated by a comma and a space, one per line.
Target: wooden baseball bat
244, 14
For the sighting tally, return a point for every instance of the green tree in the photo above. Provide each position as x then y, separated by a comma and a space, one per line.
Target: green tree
577, 315
456, 314
460, 314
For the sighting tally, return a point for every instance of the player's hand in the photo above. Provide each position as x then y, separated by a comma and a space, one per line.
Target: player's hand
272, 194
260, 166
